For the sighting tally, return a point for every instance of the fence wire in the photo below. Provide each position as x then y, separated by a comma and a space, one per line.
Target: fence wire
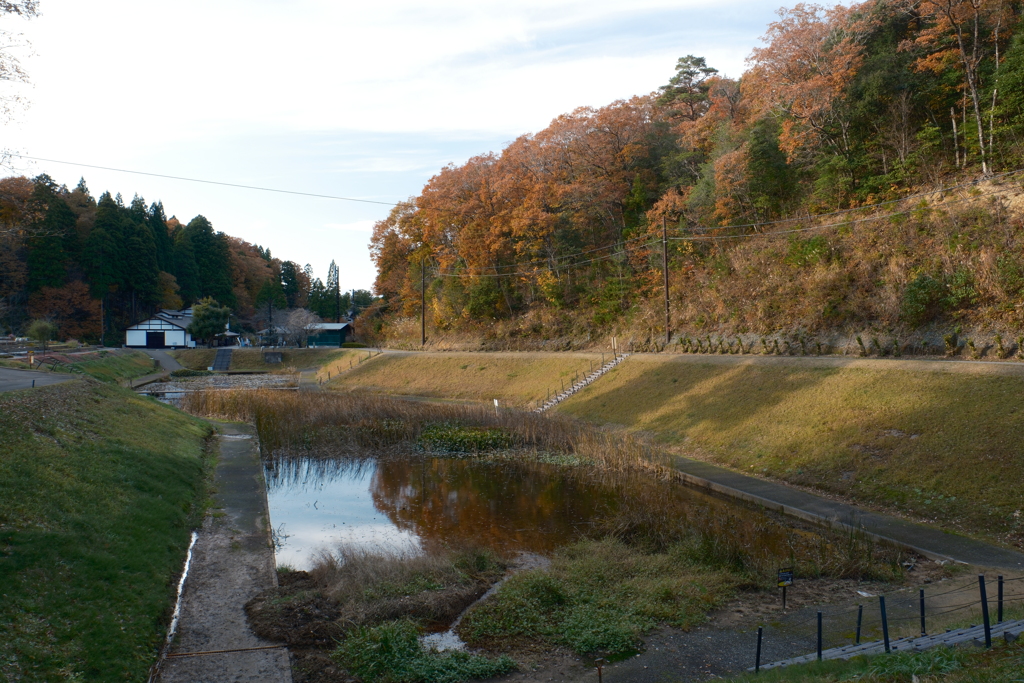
796, 633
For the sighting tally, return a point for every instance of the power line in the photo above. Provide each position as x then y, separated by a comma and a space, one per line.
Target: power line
207, 182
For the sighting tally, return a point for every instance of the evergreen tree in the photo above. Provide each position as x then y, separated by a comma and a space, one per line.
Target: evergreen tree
157, 221
290, 284
110, 222
212, 260
143, 271
186, 272
53, 240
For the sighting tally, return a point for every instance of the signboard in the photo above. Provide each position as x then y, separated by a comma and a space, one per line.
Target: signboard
785, 577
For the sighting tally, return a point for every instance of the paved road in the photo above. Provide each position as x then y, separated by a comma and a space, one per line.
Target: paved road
11, 379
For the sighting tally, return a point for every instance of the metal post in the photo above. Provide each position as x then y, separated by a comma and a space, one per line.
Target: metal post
984, 610
757, 657
33, 384
783, 597
819, 636
664, 255
999, 607
860, 620
885, 622
423, 304
924, 631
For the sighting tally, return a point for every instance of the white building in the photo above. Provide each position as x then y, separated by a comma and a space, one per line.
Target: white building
166, 329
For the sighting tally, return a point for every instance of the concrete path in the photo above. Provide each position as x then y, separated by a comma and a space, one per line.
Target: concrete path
930, 542
167, 366
932, 364
167, 362
233, 561
11, 379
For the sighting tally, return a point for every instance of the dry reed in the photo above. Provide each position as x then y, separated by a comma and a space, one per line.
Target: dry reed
323, 424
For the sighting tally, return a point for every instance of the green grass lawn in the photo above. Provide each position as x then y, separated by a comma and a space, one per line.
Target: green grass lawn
937, 446
252, 359
108, 365
99, 489
118, 366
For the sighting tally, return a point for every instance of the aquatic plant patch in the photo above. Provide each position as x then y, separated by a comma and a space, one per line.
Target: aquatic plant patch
599, 596
455, 438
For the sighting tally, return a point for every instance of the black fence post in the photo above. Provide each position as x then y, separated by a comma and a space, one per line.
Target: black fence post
819, 636
984, 610
885, 622
860, 620
999, 604
924, 632
757, 657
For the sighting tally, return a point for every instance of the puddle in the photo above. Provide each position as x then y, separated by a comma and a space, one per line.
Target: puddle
411, 505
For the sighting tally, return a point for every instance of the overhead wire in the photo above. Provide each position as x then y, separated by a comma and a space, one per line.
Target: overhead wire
208, 182
618, 246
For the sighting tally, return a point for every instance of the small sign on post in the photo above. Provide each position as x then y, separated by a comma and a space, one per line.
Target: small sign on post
785, 580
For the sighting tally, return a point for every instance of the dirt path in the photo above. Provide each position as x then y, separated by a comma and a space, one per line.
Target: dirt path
233, 561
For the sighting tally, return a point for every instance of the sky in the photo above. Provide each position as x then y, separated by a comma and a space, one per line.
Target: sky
359, 100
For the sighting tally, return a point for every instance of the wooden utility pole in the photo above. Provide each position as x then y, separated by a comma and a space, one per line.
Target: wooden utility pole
423, 303
664, 258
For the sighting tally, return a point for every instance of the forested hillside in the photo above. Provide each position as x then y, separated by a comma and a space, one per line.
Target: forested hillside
85, 264
831, 187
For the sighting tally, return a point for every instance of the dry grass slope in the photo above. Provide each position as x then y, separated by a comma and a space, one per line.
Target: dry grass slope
513, 378
937, 446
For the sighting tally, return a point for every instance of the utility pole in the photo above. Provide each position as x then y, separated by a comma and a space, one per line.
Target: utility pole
664, 255
423, 303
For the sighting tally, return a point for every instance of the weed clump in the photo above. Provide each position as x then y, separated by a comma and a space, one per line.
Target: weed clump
599, 596
392, 653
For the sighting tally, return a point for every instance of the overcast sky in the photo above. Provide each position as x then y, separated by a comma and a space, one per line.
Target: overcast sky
364, 100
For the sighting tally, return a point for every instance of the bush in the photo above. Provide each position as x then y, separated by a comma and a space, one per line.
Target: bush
961, 289
185, 372
392, 653
353, 345
922, 300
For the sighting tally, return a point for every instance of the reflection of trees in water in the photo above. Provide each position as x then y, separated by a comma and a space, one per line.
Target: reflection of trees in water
528, 505
494, 504
534, 506
302, 473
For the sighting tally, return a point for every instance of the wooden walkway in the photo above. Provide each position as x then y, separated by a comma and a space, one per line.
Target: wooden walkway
1008, 630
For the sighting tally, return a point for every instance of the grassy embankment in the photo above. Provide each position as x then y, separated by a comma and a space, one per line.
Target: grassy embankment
517, 379
940, 447
114, 365
251, 360
1002, 664
99, 489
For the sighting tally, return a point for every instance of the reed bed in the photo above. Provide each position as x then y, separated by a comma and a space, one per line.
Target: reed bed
318, 424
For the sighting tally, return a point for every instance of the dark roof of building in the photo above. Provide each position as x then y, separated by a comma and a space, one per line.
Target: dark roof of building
182, 318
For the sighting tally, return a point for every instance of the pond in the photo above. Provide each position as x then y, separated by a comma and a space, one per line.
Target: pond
409, 505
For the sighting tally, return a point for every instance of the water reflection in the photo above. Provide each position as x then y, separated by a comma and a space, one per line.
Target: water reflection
412, 504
